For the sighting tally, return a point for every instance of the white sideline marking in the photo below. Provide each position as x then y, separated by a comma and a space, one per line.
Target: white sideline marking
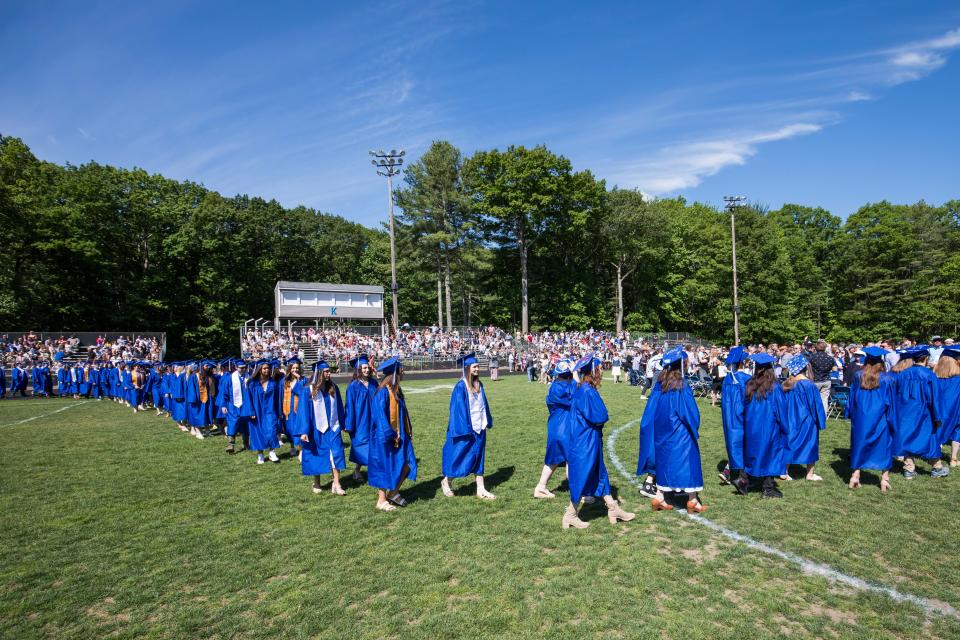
807, 566
429, 389
44, 415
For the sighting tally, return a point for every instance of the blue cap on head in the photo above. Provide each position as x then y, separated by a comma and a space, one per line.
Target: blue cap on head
321, 365
797, 364
919, 351
736, 356
873, 354
467, 359
952, 351
563, 367
391, 365
294, 361
587, 364
274, 363
762, 359
359, 361
673, 356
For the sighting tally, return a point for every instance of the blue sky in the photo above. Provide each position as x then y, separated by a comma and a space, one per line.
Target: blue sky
823, 103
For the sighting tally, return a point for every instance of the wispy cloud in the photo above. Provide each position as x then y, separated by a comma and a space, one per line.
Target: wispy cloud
810, 104
685, 165
83, 132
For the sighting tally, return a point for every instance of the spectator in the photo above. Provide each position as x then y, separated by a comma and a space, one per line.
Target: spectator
823, 364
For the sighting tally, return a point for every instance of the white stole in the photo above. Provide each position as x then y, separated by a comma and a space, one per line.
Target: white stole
320, 413
236, 390
477, 405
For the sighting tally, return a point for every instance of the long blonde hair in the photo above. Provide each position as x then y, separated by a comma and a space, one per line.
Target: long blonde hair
903, 364
947, 367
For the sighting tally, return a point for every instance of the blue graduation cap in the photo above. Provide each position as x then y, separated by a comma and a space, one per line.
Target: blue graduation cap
873, 354
762, 359
294, 361
673, 356
467, 359
796, 364
736, 355
390, 366
359, 361
952, 351
587, 363
320, 365
274, 363
564, 366
919, 351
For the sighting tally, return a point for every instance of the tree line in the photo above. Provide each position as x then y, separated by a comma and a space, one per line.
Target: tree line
515, 238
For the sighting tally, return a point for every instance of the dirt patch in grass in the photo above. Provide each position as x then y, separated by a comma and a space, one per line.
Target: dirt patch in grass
698, 556
834, 615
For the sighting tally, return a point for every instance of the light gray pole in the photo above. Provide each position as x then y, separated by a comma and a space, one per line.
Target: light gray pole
388, 164
732, 203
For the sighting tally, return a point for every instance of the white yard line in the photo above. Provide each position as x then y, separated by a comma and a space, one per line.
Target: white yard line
43, 415
428, 389
807, 566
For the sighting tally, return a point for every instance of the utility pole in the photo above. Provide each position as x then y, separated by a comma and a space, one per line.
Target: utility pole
731, 204
388, 164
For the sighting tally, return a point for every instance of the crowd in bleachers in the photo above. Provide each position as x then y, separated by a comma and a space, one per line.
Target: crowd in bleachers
29, 349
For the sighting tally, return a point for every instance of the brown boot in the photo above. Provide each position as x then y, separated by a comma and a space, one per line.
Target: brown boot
570, 519
614, 513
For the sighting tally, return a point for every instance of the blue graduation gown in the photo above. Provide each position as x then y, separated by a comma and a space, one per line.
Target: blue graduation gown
647, 455
94, 382
359, 420
949, 409
464, 451
917, 399
3, 382
117, 379
178, 394
873, 423
283, 426
265, 414
676, 425
236, 417
62, 387
765, 435
199, 413
155, 388
18, 379
586, 473
386, 461
804, 417
325, 447
732, 405
105, 384
559, 397
85, 382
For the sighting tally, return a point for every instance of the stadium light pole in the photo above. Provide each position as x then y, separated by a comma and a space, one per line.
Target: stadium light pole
731, 204
388, 164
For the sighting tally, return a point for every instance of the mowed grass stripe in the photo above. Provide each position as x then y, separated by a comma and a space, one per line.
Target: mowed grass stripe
119, 524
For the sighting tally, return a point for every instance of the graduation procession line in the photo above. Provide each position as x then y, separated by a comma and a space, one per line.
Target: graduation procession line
807, 566
44, 415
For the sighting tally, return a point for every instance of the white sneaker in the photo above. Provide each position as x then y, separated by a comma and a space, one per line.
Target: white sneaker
317, 489
259, 458
200, 435
273, 456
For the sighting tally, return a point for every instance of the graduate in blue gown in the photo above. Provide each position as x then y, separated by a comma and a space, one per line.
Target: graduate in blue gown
290, 383
559, 397
264, 421
18, 380
235, 405
155, 386
948, 379
765, 433
3, 381
117, 380
391, 457
676, 428
918, 397
359, 407
85, 381
178, 396
200, 394
873, 421
804, 417
586, 473
647, 453
36, 382
318, 424
732, 406
73, 380
63, 386
106, 372
464, 451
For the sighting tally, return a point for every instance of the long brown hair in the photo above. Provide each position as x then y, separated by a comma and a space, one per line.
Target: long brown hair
327, 386
903, 364
790, 382
946, 367
393, 387
870, 376
760, 384
592, 379
670, 379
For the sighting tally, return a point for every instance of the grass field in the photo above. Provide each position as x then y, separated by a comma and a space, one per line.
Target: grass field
119, 525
